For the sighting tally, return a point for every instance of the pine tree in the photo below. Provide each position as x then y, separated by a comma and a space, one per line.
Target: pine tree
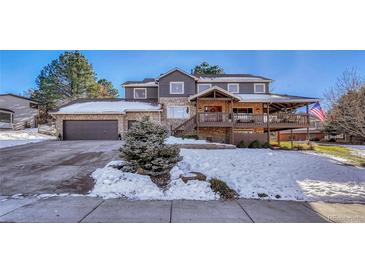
145, 151
69, 77
206, 69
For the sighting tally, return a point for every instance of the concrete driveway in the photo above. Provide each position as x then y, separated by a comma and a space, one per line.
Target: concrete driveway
53, 166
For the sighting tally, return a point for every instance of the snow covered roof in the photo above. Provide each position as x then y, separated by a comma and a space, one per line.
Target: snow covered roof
275, 98
236, 78
108, 107
147, 82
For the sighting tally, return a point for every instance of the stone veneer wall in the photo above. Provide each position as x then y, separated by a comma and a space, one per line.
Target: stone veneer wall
220, 135
175, 101
154, 116
121, 118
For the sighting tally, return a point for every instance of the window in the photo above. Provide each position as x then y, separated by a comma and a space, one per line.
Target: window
243, 110
6, 117
177, 112
234, 88
202, 87
176, 87
140, 93
259, 88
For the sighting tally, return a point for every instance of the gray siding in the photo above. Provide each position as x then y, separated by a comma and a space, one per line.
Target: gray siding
176, 76
23, 115
243, 87
152, 93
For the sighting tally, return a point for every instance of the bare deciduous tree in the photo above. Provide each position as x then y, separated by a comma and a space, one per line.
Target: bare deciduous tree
349, 114
349, 80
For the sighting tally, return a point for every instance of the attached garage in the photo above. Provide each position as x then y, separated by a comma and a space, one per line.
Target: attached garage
90, 130
101, 119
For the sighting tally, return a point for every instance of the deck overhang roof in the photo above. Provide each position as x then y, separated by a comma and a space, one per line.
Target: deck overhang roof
215, 90
276, 102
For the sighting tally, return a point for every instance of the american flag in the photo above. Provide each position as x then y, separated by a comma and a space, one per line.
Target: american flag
318, 112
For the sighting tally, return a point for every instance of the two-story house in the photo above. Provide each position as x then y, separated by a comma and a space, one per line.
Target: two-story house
222, 108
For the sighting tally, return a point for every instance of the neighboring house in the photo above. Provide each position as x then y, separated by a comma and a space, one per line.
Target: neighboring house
17, 112
316, 132
222, 108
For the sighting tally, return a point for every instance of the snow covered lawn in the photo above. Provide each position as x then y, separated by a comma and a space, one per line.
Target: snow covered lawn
286, 175
9, 138
180, 141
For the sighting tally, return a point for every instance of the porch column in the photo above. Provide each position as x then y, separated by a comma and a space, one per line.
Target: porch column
308, 121
268, 122
232, 122
197, 117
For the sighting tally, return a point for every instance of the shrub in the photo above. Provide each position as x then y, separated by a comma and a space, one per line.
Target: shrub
266, 145
221, 187
145, 151
255, 144
241, 144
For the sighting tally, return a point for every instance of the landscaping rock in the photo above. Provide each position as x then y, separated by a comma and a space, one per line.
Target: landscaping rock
193, 176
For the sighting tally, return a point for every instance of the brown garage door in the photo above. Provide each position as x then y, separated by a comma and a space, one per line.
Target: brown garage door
90, 130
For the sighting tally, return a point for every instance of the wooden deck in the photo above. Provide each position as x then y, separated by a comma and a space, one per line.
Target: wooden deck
248, 121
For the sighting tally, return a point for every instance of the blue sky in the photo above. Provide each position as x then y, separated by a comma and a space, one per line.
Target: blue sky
306, 73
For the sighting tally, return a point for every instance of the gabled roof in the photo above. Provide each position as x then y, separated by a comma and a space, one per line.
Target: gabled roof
214, 88
176, 69
18, 96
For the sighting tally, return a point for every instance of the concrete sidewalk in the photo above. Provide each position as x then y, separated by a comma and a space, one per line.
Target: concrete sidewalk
95, 210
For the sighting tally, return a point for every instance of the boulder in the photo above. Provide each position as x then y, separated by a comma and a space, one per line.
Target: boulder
193, 176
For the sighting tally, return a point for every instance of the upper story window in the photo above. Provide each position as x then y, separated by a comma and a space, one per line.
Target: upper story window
202, 87
259, 88
234, 88
176, 87
140, 93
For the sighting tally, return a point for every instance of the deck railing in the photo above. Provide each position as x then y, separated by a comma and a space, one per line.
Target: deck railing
226, 119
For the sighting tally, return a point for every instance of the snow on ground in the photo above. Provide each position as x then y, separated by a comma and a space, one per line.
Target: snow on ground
10, 138
113, 183
175, 140
291, 174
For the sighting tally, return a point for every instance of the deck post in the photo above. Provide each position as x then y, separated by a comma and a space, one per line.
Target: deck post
232, 122
291, 138
278, 132
308, 122
197, 117
268, 122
